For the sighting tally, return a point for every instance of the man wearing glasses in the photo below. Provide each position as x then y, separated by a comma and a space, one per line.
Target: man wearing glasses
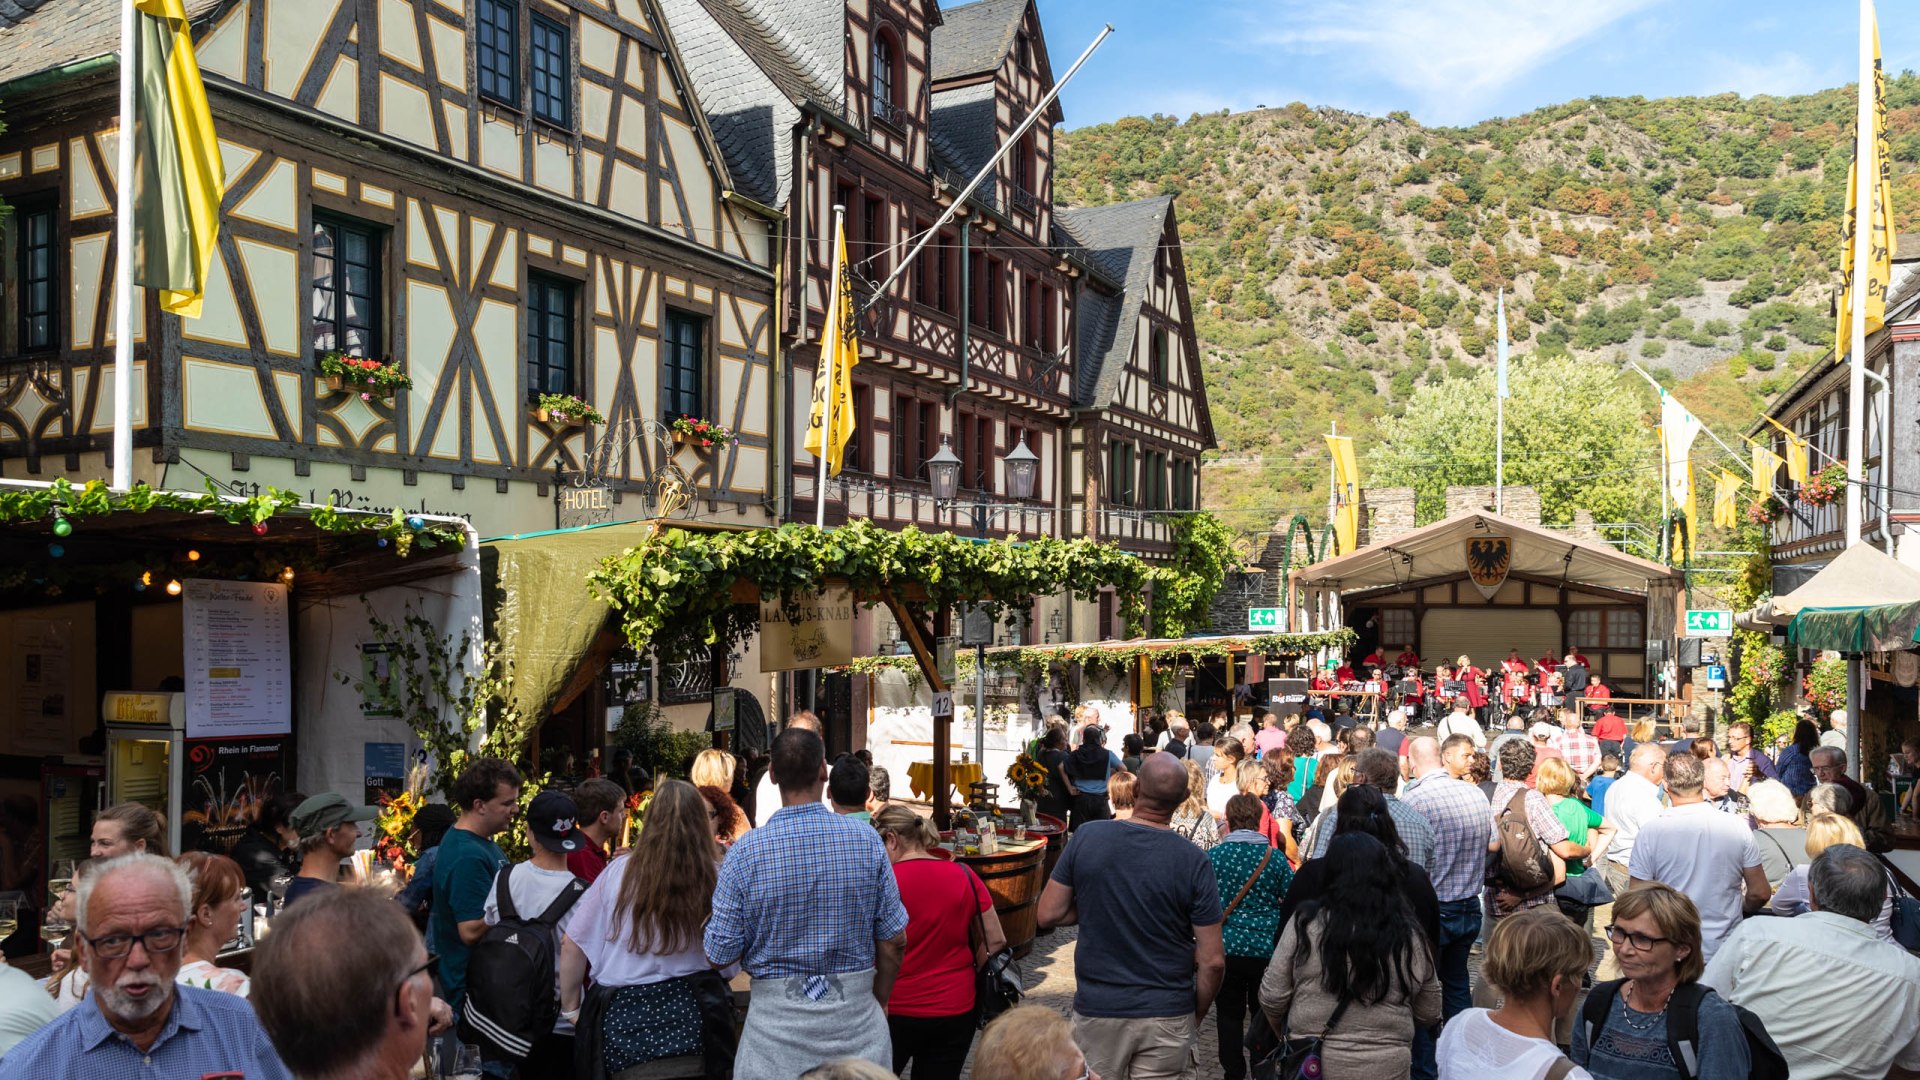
130, 921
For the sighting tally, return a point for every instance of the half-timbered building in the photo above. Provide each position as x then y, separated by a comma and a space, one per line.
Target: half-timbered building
887, 108
504, 198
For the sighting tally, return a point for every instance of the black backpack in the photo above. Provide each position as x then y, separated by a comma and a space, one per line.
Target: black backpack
1765, 1061
515, 954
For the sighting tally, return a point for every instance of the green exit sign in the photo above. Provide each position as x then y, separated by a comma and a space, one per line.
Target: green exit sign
1709, 623
1263, 618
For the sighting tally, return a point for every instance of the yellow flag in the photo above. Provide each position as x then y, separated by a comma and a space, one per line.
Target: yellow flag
1799, 469
839, 352
1878, 169
1346, 494
1766, 467
180, 177
1726, 500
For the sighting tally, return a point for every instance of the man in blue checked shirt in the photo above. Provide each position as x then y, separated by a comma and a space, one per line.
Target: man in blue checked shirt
808, 905
136, 1023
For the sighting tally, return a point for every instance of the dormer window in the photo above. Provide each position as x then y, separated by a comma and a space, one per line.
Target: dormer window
1025, 51
886, 81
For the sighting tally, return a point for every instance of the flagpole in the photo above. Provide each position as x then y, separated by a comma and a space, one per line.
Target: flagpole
123, 264
1866, 175
829, 359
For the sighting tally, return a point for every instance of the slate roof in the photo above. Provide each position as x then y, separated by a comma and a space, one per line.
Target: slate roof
973, 37
751, 117
1120, 239
40, 35
964, 137
799, 44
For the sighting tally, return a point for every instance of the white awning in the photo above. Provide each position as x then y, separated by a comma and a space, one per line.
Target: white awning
1440, 550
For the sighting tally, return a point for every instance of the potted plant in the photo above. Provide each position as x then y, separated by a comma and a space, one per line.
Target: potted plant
1029, 778
565, 409
1825, 486
1765, 511
701, 434
357, 374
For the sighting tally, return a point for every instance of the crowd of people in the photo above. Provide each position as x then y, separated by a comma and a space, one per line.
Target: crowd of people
1641, 909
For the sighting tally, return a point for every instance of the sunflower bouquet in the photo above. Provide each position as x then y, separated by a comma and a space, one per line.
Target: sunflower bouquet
1028, 776
392, 827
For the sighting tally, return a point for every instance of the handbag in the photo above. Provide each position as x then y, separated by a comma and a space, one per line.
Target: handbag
996, 983
1906, 915
1242, 894
1297, 1058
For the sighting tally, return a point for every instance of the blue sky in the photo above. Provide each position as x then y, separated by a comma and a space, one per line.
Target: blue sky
1453, 61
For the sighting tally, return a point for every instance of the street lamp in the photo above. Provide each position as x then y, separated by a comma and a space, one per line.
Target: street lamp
1022, 466
943, 470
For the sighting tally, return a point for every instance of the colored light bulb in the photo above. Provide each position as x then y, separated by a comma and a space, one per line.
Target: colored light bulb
62, 528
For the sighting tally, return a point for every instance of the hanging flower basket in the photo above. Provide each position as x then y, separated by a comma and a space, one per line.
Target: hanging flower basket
1766, 511
703, 435
567, 410
1824, 488
359, 375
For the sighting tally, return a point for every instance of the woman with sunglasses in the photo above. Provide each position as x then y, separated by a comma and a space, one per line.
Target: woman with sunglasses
1656, 936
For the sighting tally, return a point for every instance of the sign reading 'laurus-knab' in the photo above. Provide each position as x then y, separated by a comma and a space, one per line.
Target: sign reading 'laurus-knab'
817, 632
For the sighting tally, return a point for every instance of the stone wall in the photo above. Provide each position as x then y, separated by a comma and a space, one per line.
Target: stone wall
1388, 513
1521, 503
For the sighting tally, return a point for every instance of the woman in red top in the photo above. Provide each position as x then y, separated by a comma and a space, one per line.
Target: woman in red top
932, 1011
1476, 681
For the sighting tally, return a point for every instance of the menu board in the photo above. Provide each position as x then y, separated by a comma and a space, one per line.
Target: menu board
239, 671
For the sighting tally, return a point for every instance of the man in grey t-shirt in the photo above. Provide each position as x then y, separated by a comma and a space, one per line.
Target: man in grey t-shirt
1150, 945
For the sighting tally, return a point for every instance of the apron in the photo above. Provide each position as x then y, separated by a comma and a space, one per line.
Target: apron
789, 1031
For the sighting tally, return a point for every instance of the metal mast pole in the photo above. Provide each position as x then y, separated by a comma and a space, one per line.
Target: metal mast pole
123, 288
1865, 176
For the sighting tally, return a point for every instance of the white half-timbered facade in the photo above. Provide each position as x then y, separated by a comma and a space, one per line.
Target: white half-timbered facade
502, 197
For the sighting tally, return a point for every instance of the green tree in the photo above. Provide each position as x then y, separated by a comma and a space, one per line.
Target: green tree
1577, 431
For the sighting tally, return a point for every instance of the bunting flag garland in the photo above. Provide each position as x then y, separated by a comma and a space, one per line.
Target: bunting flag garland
1726, 500
1766, 467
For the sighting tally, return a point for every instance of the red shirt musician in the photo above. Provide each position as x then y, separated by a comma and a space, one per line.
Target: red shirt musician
1343, 674
1597, 695
1372, 660
1476, 681
1407, 658
1442, 675
1323, 682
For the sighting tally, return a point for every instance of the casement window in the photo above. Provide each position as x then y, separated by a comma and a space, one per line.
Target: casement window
1159, 344
1183, 494
886, 79
496, 53
550, 69
928, 273
551, 347
1120, 478
858, 456
915, 436
36, 252
874, 239
975, 436
683, 366
346, 287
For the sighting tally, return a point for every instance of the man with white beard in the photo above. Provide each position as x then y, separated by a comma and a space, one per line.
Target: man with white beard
131, 917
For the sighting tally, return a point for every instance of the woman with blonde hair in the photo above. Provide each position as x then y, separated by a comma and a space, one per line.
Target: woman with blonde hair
1823, 831
1251, 777
1621, 1033
713, 767
219, 901
1776, 829
1120, 793
1642, 730
1535, 959
1554, 778
933, 1012
1194, 818
640, 926
1030, 1042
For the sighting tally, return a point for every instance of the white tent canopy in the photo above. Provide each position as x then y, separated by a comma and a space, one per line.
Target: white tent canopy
1440, 549
1860, 576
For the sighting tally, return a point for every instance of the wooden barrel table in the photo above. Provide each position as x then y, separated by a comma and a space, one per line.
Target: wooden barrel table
1014, 876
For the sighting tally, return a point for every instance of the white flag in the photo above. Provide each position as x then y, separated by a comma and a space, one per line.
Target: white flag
1678, 429
1500, 371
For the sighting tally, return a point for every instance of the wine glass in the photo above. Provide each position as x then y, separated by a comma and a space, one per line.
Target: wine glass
9, 918
466, 1062
59, 879
55, 928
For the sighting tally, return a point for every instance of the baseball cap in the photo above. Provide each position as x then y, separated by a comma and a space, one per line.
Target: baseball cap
552, 820
324, 811
1543, 730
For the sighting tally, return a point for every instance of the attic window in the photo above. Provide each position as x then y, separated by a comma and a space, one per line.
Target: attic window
886, 83
1025, 47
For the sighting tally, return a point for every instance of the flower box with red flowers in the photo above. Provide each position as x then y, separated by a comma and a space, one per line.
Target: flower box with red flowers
565, 410
1825, 486
359, 375
702, 435
1766, 511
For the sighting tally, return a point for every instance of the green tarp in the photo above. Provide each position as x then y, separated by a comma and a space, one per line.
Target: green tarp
540, 606
1869, 628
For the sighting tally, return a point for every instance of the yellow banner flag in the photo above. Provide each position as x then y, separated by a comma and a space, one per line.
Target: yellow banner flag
1878, 169
1726, 500
1799, 467
839, 352
1346, 494
175, 197
1766, 467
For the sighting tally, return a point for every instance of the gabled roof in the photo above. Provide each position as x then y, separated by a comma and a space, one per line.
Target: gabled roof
975, 37
1440, 549
798, 43
1121, 239
40, 35
752, 119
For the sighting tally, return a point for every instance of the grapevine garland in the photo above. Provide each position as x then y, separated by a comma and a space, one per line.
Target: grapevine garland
62, 501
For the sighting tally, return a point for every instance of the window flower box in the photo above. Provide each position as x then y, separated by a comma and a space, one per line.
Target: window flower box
705, 436
566, 411
359, 375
